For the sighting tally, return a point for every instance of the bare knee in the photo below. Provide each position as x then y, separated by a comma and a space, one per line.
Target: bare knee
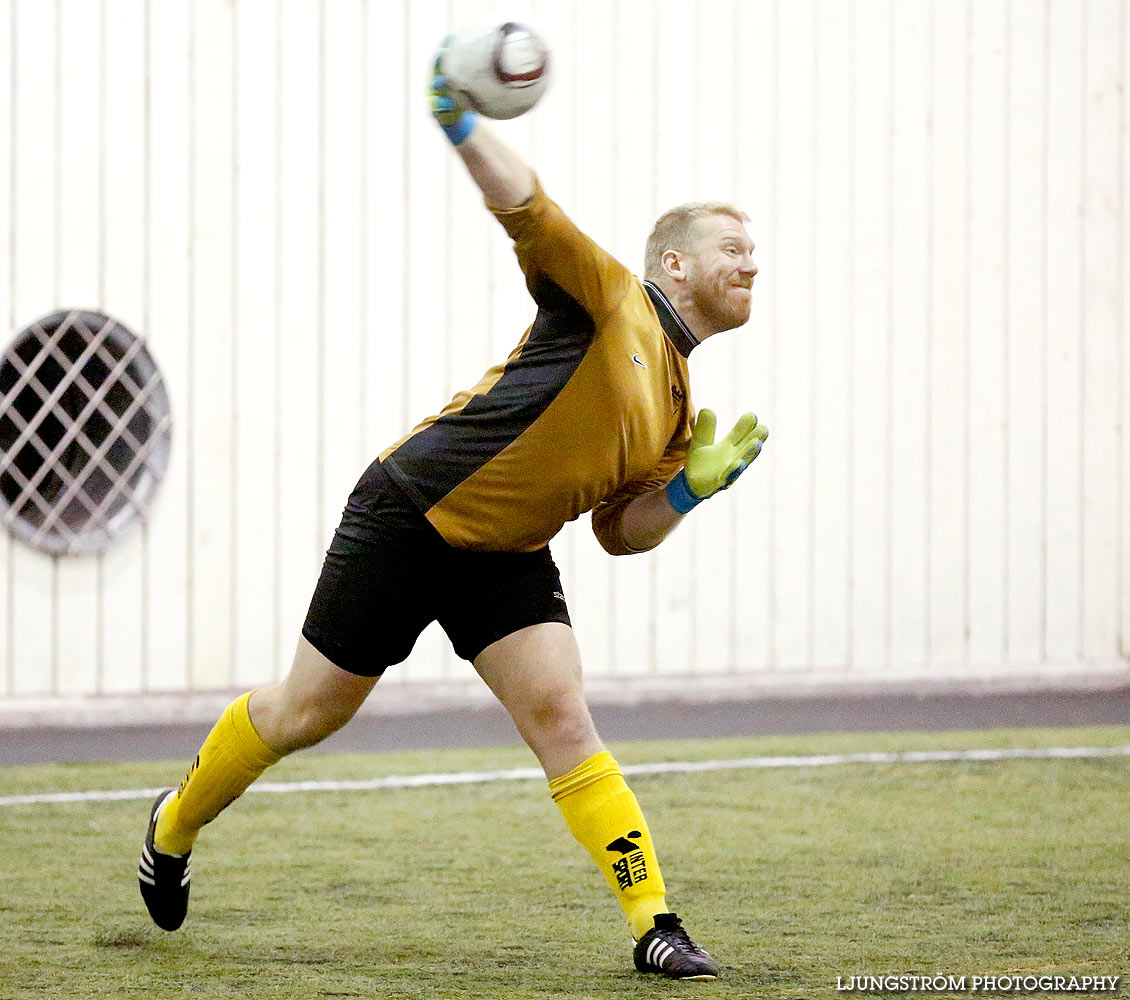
316, 699
557, 721
287, 722
536, 673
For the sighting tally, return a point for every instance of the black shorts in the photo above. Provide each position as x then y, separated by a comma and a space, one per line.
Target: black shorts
389, 574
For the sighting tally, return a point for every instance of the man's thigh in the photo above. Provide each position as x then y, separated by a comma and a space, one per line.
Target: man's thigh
536, 674
532, 666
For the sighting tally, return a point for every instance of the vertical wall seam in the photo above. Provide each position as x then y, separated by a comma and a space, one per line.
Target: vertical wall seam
55, 624
56, 561
733, 522
889, 484
405, 194
190, 432
103, 141
277, 374
849, 499
13, 84
928, 450
967, 361
771, 350
813, 299
146, 303
1120, 533
1081, 378
57, 71
363, 249
57, 293
1045, 157
236, 422
321, 367
1006, 341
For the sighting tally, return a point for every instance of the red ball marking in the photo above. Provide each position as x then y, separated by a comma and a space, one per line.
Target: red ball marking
517, 79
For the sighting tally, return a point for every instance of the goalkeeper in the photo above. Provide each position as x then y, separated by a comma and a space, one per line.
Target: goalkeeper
591, 411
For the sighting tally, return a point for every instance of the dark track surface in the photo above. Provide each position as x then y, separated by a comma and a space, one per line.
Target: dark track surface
490, 726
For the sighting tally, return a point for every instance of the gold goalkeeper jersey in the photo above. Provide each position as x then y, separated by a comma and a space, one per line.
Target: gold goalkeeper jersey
591, 409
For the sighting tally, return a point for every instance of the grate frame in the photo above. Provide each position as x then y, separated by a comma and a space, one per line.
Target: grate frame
85, 432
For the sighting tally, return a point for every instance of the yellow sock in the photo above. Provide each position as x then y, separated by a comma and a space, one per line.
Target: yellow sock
605, 817
231, 758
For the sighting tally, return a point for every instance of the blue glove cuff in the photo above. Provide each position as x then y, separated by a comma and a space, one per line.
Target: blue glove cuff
458, 131
680, 495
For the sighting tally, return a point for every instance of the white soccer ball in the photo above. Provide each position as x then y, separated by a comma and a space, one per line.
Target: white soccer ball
500, 71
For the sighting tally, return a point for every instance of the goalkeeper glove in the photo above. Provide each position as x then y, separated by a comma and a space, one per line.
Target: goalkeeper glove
712, 467
457, 123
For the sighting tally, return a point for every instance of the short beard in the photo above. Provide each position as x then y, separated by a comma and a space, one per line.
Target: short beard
717, 312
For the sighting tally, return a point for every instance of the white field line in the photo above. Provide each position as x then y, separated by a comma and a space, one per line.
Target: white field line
532, 773
414, 781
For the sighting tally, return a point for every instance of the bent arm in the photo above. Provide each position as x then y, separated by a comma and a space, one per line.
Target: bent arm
504, 178
648, 519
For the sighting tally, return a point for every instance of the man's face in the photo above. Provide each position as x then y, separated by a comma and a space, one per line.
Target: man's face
720, 271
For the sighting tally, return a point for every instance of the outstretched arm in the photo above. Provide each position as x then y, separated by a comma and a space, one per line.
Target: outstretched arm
546, 242
504, 178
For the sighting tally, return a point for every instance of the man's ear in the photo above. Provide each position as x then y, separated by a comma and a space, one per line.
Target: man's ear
673, 265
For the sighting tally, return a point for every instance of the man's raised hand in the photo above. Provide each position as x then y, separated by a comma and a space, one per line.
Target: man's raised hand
713, 466
457, 122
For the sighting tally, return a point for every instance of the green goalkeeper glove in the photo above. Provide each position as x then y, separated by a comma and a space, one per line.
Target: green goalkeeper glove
457, 122
712, 467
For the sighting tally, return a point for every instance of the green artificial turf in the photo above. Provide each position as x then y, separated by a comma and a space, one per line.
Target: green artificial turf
790, 877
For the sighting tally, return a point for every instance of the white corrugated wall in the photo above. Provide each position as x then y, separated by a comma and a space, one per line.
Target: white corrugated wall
939, 342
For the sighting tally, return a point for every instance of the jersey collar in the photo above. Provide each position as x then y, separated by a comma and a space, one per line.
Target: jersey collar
677, 331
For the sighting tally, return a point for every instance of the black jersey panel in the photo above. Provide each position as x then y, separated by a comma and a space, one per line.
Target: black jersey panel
430, 464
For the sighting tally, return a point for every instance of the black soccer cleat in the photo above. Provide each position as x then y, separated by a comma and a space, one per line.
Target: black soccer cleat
668, 950
163, 878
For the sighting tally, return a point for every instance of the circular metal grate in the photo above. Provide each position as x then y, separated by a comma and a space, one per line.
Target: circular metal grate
84, 432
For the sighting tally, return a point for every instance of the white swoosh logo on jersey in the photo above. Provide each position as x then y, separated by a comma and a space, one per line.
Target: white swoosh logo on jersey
636, 359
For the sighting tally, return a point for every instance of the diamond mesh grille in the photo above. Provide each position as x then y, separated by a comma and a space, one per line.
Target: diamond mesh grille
85, 431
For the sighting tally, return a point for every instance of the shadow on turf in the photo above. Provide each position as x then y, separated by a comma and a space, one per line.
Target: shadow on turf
128, 940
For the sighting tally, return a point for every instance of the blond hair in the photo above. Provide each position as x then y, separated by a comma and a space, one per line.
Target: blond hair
673, 231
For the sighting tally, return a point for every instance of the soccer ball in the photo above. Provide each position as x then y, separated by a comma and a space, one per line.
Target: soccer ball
500, 71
